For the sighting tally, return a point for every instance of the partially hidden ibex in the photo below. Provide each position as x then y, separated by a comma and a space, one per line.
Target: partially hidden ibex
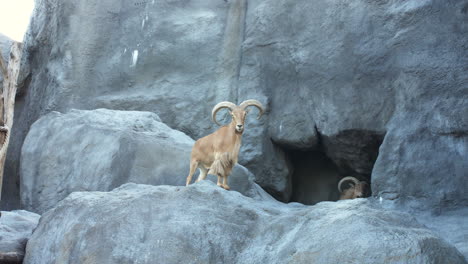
357, 189
218, 152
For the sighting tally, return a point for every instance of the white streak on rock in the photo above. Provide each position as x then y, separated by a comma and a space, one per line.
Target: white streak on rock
134, 58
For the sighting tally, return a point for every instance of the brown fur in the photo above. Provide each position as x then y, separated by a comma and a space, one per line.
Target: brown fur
356, 191
218, 152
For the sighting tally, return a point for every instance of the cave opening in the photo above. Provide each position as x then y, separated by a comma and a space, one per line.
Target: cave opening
315, 173
315, 177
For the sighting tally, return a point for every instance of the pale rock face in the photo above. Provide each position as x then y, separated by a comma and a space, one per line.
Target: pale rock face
205, 224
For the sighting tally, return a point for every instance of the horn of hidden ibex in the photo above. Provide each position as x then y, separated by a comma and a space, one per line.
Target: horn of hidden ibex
218, 152
357, 189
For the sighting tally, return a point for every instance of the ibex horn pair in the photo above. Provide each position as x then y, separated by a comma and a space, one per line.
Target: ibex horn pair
232, 106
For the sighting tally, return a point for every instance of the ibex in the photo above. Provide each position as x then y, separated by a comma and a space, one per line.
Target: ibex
357, 189
218, 152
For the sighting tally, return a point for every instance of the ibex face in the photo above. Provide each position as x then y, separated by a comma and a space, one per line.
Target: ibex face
238, 113
357, 189
238, 118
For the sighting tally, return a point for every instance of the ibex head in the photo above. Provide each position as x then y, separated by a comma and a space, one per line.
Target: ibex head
238, 113
357, 190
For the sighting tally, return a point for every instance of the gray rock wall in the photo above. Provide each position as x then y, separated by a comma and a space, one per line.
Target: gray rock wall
338, 77
205, 224
175, 58
349, 74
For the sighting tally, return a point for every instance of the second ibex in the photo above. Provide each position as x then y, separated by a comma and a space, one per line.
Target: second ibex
217, 153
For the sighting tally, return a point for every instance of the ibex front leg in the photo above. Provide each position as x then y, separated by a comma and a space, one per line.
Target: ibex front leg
220, 184
225, 183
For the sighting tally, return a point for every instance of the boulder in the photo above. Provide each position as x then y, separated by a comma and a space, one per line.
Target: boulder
102, 149
205, 224
15, 229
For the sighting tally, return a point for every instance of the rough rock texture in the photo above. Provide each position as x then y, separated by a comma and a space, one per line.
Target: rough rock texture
15, 229
102, 149
451, 225
205, 224
425, 162
174, 58
336, 76
161, 56
349, 73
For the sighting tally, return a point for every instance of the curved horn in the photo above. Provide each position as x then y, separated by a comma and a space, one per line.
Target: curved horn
252, 102
347, 178
220, 106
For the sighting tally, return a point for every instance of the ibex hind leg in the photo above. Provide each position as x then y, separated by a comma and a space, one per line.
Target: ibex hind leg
203, 173
193, 168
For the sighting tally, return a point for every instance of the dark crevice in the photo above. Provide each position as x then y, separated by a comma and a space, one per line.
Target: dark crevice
354, 151
316, 172
315, 177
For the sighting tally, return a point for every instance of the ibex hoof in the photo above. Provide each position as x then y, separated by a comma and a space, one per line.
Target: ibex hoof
226, 187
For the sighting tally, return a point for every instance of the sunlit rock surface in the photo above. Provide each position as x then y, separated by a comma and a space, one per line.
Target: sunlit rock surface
203, 223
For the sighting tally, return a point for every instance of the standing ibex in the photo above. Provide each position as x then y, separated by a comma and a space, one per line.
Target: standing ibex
357, 189
217, 153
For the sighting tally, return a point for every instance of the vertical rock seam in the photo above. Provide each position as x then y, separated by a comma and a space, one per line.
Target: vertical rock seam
231, 53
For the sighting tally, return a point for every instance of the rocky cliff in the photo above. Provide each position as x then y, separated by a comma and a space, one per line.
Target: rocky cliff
377, 89
373, 89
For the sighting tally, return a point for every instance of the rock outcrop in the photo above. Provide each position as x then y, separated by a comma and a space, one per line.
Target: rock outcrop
205, 224
338, 78
15, 229
102, 149
345, 76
